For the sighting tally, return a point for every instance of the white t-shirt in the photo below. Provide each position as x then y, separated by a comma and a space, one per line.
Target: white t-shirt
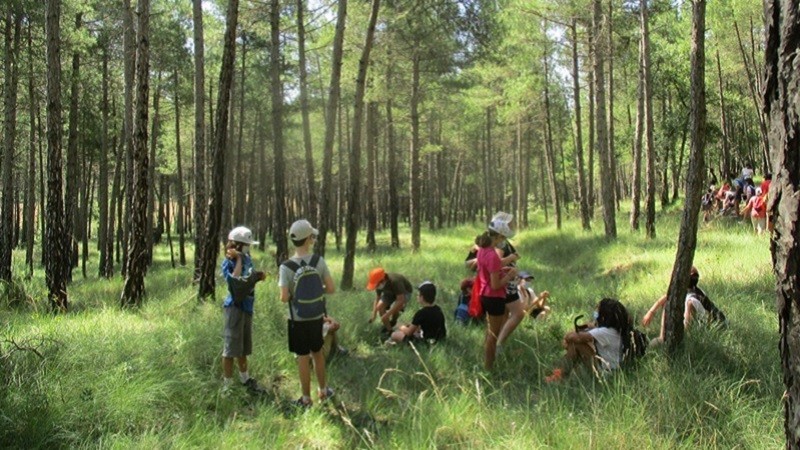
699, 311
608, 344
747, 173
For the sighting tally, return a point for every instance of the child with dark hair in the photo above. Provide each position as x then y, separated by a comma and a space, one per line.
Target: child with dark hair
493, 279
697, 305
600, 347
428, 322
462, 306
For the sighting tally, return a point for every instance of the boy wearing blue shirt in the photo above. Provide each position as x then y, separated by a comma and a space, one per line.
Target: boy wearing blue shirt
237, 269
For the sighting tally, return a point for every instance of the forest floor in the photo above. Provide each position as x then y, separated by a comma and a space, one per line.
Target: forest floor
150, 378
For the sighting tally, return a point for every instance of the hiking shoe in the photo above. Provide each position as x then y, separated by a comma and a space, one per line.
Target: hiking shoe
303, 403
252, 385
325, 394
556, 376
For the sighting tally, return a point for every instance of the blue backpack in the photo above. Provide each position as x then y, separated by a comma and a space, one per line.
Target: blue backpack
308, 295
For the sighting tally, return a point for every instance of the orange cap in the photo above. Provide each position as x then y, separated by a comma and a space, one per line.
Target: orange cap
376, 276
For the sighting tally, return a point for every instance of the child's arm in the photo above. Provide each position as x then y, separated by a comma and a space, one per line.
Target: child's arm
398, 304
656, 306
285, 294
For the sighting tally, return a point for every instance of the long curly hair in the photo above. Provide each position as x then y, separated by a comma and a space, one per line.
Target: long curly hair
611, 313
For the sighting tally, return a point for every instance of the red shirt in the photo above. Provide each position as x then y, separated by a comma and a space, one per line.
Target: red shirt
765, 186
489, 263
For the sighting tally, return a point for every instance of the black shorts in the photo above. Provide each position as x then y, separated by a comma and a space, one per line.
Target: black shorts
493, 306
305, 336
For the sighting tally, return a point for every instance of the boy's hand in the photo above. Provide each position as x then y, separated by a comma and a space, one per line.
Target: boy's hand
232, 253
260, 275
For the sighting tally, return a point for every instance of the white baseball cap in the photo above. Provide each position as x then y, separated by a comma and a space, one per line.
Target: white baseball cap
302, 229
243, 235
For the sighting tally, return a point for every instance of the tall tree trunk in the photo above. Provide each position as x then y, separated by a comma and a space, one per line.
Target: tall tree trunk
606, 180
57, 263
133, 290
636, 188
72, 187
199, 169
782, 82
326, 207
240, 189
752, 85
311, 208
723, 125
687, 238
30, 189
414, 176
391, 162
153, 233
220, 139
548, 147
612, 152
650, 150
353, 204
11, 77
586, 223
179, 164
104, 239
129, 49
372, 158
276, 89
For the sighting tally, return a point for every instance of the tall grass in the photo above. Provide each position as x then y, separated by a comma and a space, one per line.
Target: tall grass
150, 378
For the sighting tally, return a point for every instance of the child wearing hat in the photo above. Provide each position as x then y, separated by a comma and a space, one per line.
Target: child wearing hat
237, 269
428, 322
535, 305
392, 292
305, 333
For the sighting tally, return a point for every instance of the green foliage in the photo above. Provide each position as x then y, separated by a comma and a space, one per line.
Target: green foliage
102, 377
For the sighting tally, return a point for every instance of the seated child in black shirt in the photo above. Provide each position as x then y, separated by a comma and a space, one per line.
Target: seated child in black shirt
428, 322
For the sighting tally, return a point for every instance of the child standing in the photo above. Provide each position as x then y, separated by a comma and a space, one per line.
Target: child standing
303, 281
428, 322
237, 269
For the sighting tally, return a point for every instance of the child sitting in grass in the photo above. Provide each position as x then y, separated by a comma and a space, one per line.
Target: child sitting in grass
600, 347
534, 305
428, 322
697, 305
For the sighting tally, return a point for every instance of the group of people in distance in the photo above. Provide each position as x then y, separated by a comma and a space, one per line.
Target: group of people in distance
727, 200
499, 294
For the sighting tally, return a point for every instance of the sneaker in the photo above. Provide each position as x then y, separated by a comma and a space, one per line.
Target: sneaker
252, 385
341, 351
303, 403
556, 376
325, 394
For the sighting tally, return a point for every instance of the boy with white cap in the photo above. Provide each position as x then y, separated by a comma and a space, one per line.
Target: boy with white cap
237, 269
300, 275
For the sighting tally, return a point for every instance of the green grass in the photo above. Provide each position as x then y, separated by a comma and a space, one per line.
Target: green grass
150, 378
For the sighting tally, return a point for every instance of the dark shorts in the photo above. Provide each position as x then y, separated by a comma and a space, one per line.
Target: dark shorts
305, 336
237, 332
536, 311
494, 306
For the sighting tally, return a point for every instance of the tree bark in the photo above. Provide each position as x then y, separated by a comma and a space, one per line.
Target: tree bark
179, 164
414, 176
311, 208
279, 165
391, 163
612, 152
199, 197
601, 141
723, 124
153, 233
104, 239
133, 290
57, 263
72, 187
372, 157
586, 223
636, 188
548, 148
326, 207
129, 69
220, 139
781, 106
30, 203
353, 204
687, 238
11, 78
650, 151
752, 85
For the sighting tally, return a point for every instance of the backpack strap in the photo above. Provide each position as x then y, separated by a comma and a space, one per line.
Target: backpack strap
314, 261
293, 266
